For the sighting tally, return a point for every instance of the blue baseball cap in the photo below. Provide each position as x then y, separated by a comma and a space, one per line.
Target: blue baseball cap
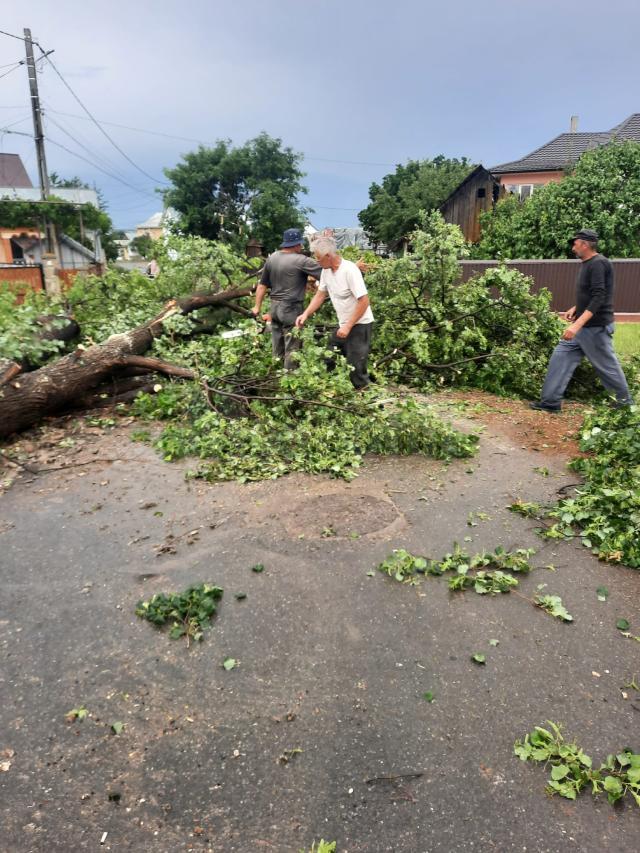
291, 237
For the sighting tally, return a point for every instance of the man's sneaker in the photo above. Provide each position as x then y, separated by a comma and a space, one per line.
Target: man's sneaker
541, 407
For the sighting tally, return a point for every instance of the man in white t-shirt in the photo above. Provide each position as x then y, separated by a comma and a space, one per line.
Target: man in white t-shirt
343, 281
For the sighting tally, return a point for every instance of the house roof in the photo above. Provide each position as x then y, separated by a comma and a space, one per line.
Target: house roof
566, 148
160, 219
73, 195
13, 172
77, 247
474, 173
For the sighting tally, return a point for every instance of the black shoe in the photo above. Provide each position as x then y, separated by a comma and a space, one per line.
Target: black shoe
541, 407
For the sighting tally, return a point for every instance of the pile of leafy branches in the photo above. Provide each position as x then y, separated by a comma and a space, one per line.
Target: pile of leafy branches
606, 508
189, 612
118, 301
22, 326
468, 571
487, 573
248, 419
572, 770
432, 330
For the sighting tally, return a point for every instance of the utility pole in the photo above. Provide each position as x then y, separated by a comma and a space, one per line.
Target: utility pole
50, 260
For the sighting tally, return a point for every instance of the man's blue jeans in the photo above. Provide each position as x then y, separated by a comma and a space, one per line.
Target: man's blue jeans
595, 344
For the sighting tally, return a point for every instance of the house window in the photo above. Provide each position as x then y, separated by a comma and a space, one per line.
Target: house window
523, 191
481, 193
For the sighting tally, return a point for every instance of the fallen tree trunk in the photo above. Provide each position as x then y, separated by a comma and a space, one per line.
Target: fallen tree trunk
29, 397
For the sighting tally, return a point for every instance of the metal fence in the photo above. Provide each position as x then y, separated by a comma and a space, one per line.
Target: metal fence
22, 276
559, 277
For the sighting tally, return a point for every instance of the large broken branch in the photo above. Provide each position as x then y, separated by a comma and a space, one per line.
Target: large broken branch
31, 396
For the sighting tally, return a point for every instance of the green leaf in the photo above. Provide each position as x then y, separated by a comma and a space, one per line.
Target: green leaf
240, 596
603, 593
259, 567
493, 642
428, 696
478, 658
613, 785
559, 771
554, 606
77, 714
117, 727
623, 624
229, 663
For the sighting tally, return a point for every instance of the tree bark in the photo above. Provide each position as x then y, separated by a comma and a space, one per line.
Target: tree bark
31, 396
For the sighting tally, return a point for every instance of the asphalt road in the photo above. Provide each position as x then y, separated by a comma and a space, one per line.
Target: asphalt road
332, 661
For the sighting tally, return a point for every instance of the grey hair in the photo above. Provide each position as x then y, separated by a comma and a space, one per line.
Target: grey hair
324, 246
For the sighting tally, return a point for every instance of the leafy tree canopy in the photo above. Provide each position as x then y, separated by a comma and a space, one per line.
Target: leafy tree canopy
232, 194
603, 193
420, 185
143, 245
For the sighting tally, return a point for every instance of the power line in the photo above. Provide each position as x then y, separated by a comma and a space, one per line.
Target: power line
11, 35
135, 129
16, 132
19, 121
205, 142
15, 68
100, 169
99, 126
83, 146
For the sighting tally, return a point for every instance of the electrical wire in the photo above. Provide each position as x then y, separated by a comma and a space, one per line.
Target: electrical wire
15, 132
135, 129
98, 125
11, 35
204, 142
93, 154
99, 168
15, 68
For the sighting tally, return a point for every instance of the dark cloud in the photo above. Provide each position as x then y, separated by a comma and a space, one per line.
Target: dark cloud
354, 81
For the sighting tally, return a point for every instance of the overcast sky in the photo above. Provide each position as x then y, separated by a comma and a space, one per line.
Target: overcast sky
371, 84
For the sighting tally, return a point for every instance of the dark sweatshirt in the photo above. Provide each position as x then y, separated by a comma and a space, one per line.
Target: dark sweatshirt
595, 290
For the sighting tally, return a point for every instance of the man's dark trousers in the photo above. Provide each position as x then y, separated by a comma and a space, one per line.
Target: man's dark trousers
595, 344
355, 348
283, 320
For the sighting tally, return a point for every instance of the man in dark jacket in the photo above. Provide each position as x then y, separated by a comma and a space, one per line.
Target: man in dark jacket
284, 277
590, 331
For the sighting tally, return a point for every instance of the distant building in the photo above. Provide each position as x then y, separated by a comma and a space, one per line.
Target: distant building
157, 225
478, 192
344, 237
554, 159
550, 163
13, 173
22, 248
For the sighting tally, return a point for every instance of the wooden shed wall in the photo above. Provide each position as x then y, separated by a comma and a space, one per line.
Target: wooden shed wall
465, 206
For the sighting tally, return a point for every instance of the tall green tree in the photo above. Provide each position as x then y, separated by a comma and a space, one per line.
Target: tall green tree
232, 194
420, 185
602, 192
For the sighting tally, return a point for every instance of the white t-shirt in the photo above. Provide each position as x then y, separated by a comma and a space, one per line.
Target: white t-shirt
345, 287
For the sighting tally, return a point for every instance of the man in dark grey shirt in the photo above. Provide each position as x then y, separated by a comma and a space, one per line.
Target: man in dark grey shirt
590, 331
284, 277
